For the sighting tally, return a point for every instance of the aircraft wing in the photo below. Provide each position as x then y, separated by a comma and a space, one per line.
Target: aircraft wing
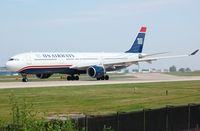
125, 63
147, 59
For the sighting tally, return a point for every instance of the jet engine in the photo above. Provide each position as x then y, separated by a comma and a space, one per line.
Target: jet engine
43, 76
96, 71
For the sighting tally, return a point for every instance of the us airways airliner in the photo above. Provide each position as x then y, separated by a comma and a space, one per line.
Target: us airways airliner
95, 65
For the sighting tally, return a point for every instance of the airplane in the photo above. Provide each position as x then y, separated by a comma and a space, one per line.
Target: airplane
95, 65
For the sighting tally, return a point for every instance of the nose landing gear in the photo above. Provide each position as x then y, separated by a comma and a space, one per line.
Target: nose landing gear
24, 78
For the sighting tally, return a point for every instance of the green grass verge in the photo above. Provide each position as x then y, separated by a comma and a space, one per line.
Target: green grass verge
102, 99
195, 73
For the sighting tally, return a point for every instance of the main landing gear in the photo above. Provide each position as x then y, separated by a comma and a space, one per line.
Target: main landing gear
72, 77
24, 78
104, 77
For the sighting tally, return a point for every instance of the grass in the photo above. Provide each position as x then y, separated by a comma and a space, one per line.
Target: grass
102, 99
195, 73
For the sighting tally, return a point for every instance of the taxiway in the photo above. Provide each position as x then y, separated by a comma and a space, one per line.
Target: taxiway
130, 78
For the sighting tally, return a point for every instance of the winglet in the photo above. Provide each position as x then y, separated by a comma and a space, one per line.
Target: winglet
194, 53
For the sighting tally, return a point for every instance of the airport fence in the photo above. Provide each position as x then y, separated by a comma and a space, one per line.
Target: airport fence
170, 118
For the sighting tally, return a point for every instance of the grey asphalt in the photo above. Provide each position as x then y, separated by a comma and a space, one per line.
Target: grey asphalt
128, 78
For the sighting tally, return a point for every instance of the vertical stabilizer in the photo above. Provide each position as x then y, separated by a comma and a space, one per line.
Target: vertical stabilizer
139, 42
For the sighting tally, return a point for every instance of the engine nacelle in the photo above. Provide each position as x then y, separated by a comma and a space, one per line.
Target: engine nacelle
96, 71
43, 76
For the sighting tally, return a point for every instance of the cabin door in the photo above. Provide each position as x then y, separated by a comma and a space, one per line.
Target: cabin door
28, 59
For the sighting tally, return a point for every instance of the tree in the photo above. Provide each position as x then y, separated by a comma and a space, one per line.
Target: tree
187, 70
181, 70
172, 68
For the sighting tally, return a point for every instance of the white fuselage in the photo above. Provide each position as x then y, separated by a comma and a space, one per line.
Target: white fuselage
69, 60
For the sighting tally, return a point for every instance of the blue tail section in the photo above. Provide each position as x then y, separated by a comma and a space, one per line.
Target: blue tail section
139, 42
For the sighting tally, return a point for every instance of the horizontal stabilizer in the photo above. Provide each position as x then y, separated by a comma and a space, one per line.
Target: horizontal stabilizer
148, 55
194, 53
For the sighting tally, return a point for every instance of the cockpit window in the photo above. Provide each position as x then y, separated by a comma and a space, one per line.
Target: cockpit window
13, 59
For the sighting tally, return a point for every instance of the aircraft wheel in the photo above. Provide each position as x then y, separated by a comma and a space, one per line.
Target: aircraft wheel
98, 78
106, 77
24, 80
102, 78
76, 78
69, 78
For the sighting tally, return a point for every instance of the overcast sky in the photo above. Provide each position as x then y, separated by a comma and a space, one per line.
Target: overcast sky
101, 26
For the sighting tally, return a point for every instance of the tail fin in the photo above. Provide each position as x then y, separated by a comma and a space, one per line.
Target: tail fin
139, 41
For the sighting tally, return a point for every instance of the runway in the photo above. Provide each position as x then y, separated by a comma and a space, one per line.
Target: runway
128, 78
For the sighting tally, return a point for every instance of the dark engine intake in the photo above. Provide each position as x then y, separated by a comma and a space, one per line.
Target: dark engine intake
43, 76
96, 71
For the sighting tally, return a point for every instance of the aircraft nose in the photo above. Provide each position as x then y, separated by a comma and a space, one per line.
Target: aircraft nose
9, 66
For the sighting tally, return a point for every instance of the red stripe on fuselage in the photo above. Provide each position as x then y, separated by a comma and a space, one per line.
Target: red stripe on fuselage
44, 66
